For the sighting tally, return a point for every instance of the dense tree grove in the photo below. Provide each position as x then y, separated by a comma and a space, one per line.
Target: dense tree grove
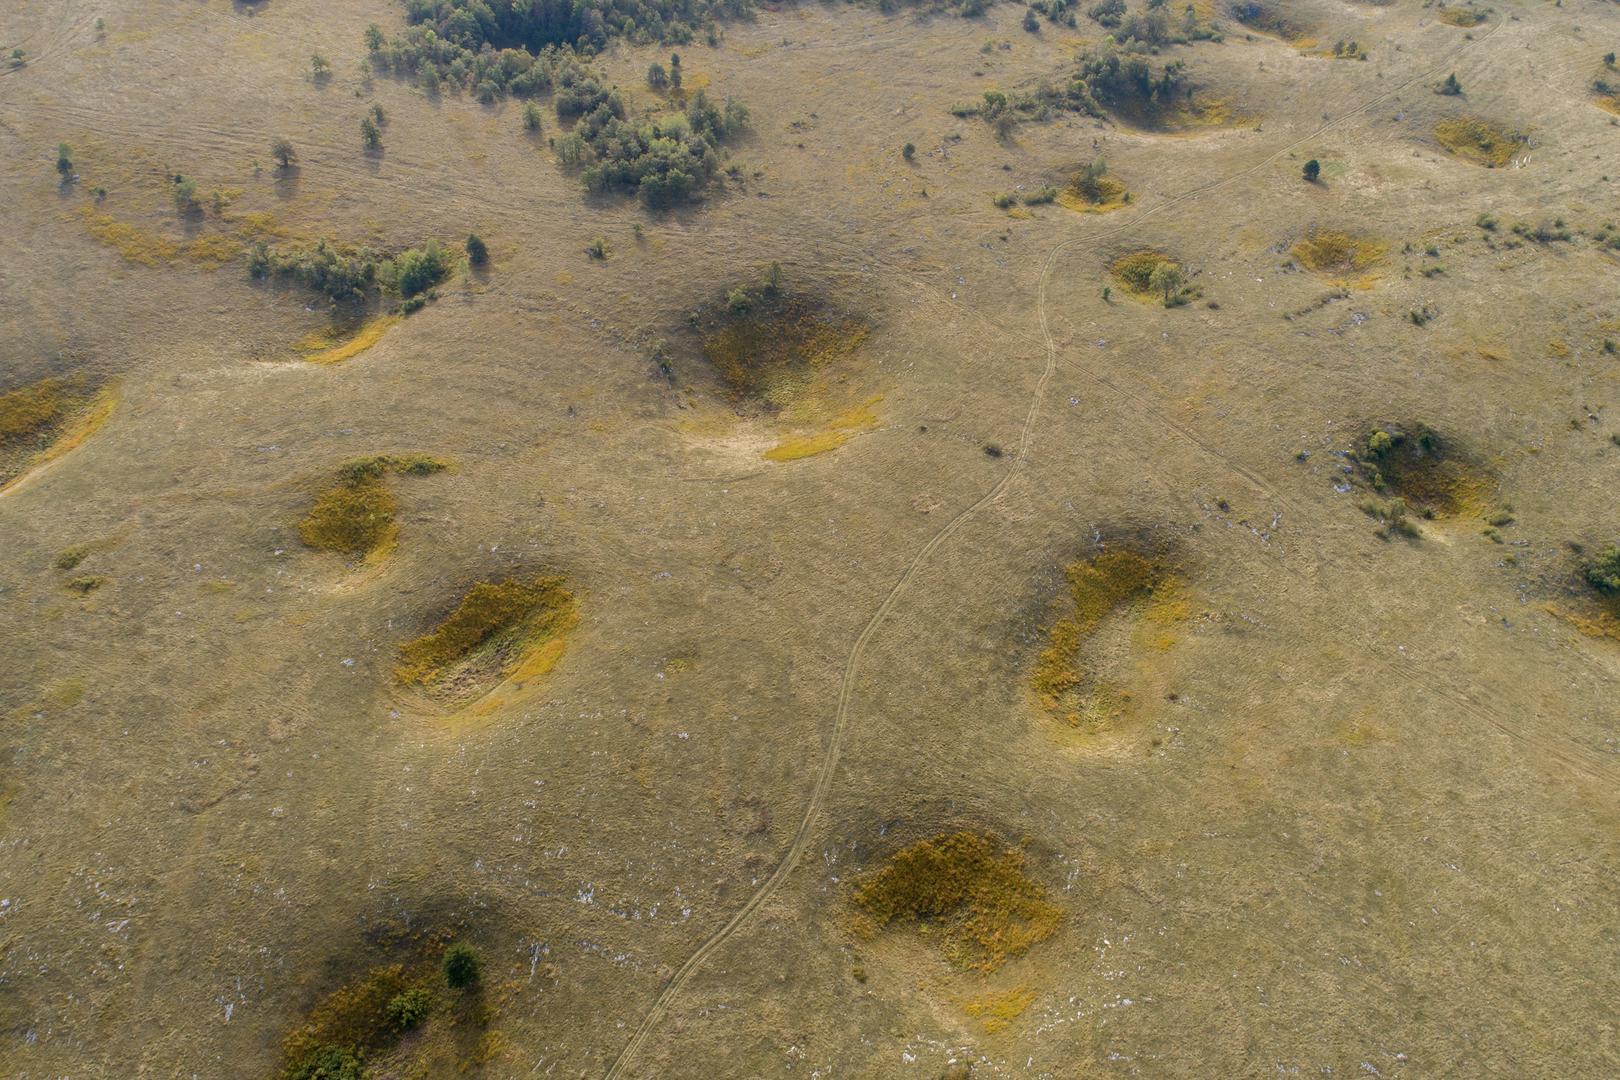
663, 160
347, 274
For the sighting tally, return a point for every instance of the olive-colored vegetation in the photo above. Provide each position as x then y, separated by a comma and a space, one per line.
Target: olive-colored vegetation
663, 160
1065, 687
769, 345
1152, 274
1478, 141
495, 628
972, 889
44, 419
1091, 189
348, 274
1337, 254
1461, 15
355, 515
1414, 469
1268, 18
360, 1029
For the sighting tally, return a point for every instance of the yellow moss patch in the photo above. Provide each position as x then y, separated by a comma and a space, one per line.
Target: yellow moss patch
43, 421
1098, 587
329, 350
969, 888
1601, 624
493, 634
1134, 271
773, 351
998, 1010
133, 244
1608, 103
355, 516
1337, 255
1094, 197
840, 429
1461, 16
1478, 141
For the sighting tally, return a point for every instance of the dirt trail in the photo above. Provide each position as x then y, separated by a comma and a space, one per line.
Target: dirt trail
840, 725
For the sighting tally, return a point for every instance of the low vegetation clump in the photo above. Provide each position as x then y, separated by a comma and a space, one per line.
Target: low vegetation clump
1152, 274
971, 888
347, 274
1606, 94
488, 636
346, 1025
1098, 587
355, 515
1267, 18
769, 346
1464, 16
46, 418
1478, 141
1091, 189
1422, 470
1337, 254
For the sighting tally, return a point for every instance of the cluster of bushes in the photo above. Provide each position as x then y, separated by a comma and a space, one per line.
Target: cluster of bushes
497, 46
663, 160
1113, 74
347, 274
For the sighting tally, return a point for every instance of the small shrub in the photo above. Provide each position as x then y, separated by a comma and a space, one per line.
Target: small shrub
1450, 87
327, 1063
282, 150
379, 116
370, 135
64, 160
1603, 572
1312, 171
477, 250
908, 151
185, 195
531, 118
1005, 200
410, 1008
320, 68
1041, 197
462, 967
657, 77
597, 249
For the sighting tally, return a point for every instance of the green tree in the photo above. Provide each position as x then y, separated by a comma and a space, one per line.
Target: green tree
462, 967
64, 160
374, 38
378, 115
531, 118
477, 251
320, 68
1312, 170
1451, 87
657, 77
1167, 280
908, 151
370, 134
282, 150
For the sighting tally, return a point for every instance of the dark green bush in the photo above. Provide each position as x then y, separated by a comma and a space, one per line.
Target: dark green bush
410, 1008
327, 1063
462, 967
477, 250
1603, 572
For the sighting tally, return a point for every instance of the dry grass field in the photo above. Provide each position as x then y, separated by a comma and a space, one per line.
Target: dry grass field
893, 615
